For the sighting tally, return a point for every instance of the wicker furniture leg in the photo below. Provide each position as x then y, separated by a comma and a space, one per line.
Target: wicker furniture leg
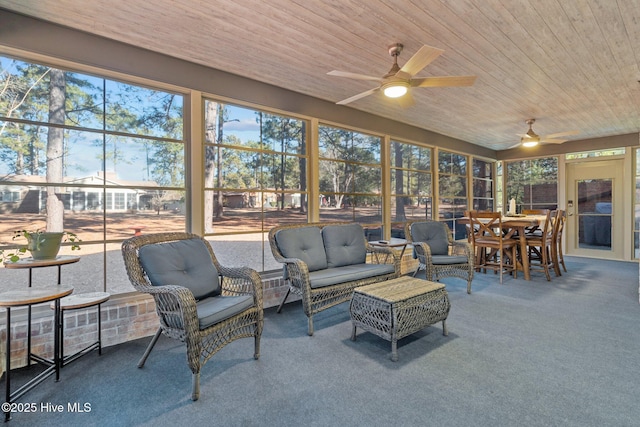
153, 342
283, 301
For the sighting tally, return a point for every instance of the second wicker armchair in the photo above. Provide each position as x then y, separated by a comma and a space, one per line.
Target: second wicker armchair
437, 253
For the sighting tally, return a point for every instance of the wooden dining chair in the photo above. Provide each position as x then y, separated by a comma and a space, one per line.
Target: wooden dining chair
535, 230
540, 248
560, 219
493, 250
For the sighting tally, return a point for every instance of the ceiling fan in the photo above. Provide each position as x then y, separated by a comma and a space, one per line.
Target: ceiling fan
396, 83
531, 139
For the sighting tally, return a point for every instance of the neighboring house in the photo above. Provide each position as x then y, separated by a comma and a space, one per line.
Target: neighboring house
26, 194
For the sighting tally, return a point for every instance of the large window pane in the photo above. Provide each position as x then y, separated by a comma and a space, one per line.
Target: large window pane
482, 185
452, 185
255, 177
410, 185
91, 156
155, 113
350, 176
533, 183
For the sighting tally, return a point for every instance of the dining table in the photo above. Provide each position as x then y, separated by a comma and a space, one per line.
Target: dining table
517, 226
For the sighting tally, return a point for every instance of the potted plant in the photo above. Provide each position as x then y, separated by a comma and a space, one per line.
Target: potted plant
42, 244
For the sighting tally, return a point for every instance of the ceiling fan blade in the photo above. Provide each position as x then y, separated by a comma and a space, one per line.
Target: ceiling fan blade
445, 81
358, 96
552, 141
559, 134
353, 75
423, 57
406, 100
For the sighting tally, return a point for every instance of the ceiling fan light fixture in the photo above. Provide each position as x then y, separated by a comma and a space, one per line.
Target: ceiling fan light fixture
530, 142
395, 89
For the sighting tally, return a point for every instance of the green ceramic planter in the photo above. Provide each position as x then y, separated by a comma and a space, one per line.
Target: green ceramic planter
44, 245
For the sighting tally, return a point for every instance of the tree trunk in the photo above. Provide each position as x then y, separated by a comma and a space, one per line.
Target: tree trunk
400, 200
211, 120
219, 195
55, 139
302, 162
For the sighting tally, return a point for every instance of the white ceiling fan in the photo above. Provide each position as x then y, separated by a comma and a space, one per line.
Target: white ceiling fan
396, 83
531, 139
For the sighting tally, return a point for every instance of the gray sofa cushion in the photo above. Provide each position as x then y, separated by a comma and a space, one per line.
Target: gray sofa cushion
344, 244
213, 310
184, 263
348, 273
304, 243
434, 234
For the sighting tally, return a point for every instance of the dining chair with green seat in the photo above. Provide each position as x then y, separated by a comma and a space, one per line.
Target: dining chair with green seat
494, 251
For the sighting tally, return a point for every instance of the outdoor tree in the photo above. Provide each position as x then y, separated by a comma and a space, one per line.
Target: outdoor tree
55, 145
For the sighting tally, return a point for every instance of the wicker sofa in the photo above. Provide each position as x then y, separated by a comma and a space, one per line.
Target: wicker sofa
324, 262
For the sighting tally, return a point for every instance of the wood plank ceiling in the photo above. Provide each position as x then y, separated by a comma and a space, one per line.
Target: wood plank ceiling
568, 64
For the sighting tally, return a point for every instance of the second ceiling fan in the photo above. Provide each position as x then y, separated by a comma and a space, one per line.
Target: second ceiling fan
531, 139
396, 83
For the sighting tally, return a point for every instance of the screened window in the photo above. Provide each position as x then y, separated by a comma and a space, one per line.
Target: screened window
411, 194
636, 228
80, 152
452, 185
350, 178
255, 178
482, 185
596, 153
533, 183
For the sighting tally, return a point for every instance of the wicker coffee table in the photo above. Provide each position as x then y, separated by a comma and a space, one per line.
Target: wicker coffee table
399, 307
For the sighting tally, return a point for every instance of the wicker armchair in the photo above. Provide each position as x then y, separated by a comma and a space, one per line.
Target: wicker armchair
437, 253
198, 301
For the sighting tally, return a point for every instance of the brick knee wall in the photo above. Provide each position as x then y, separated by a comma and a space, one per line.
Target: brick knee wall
124, 318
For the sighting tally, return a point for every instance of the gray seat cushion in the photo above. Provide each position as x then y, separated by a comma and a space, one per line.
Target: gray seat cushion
183, 263
214, 310
349, 273
344, 244
449, 259
304, 243
434, 234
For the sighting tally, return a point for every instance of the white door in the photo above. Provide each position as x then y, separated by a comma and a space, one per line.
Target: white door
595, 209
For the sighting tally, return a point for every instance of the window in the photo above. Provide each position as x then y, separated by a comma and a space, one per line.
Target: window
255, 178
636, 229
350, 178
411, 195
74, 148
499, 186
596, 153
533, 183
452, 185
482, 185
